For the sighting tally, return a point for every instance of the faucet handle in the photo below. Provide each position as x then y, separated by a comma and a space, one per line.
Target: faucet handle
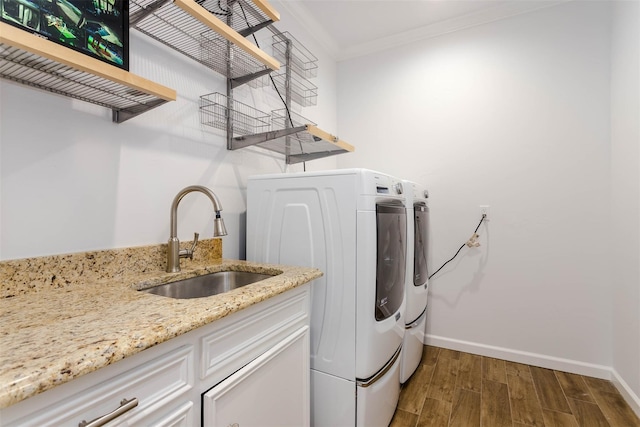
194, 244
188, 253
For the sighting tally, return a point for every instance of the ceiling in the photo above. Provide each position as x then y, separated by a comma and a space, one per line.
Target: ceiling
351, 28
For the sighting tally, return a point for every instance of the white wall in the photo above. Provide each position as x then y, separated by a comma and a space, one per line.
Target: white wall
625, 205
513, 114
71, 180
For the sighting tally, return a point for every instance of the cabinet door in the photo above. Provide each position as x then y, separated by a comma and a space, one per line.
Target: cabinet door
272, 390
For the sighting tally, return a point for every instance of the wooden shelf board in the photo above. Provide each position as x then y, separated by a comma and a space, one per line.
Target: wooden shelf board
267, 9
316, 131
201, 14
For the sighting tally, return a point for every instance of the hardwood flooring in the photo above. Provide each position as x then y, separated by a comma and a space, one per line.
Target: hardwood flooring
456, 389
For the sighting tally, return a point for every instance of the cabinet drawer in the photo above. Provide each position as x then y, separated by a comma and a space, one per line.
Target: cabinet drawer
154, 384
243, 338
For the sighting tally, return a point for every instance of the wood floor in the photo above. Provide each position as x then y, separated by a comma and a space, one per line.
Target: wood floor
456, 389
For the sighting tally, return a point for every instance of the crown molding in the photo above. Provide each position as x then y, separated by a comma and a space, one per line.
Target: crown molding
305, 18
484, 16
502, 11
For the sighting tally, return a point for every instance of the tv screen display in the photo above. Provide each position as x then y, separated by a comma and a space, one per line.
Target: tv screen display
98, 28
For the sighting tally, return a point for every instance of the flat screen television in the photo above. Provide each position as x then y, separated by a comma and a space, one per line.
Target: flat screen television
98, 28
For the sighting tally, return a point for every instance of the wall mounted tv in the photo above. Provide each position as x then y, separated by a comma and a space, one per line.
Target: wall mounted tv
98, 28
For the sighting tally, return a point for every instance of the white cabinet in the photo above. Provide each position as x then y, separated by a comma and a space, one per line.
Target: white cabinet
182, 416
251, 365
155, 385
267, 391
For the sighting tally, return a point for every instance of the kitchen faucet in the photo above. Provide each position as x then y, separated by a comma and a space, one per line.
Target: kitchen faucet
174, 253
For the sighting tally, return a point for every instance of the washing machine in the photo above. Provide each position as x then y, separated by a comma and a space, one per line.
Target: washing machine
417, 278
352, 225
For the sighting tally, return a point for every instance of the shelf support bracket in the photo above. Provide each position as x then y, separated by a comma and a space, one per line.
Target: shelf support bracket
254, 29
230, 85
239, 81
119, 116
258, 138
305, 157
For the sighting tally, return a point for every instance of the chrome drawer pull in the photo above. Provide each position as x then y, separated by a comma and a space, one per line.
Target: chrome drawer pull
125, 405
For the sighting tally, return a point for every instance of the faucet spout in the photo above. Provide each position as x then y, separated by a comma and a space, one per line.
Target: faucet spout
173, 251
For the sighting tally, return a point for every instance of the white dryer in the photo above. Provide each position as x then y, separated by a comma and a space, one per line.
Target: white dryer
417, 278
350, 224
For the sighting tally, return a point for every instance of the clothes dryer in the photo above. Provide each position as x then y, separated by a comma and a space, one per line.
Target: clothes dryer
350, 224
417, 277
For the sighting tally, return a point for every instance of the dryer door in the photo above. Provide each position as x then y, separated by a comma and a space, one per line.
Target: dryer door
420, 267
391, 224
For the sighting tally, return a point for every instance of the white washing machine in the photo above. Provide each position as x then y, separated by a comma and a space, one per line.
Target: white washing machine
350, 224
417, 278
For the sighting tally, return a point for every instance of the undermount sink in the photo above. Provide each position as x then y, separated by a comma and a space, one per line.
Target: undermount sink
206, 285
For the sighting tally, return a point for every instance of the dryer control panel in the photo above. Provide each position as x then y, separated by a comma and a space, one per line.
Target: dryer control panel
384, 184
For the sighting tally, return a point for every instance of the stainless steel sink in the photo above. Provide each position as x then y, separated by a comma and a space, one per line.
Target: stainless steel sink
207, 285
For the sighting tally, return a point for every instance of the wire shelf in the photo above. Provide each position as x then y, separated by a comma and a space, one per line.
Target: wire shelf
34, 70
298, 144
280, 119
303, 92
301, 61
172, 26
245, 119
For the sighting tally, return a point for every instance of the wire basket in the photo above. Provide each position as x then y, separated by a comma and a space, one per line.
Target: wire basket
303, 92
213, 54
301, 61
280, 119
245, 119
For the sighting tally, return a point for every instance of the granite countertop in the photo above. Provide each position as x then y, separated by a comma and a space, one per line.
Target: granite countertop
57, 326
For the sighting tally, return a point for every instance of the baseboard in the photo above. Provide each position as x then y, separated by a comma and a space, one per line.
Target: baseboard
543, 361
535, 359
632, 399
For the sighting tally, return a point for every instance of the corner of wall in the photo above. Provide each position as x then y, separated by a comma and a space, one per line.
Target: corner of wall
627, 393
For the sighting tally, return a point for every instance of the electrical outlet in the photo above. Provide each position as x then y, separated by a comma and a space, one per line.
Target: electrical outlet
484, 210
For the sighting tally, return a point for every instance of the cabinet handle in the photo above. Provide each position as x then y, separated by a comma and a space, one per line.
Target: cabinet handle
125, 405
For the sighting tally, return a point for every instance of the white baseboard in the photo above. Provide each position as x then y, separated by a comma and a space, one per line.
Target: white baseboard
535, 359
632, 399
543, 361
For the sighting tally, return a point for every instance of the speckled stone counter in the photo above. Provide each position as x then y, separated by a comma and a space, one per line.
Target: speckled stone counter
69, 315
